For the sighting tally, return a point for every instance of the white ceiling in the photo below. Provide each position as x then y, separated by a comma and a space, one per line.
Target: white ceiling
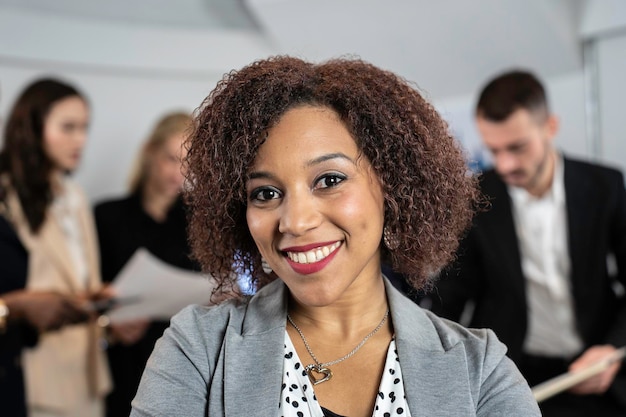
448, 47
209, 14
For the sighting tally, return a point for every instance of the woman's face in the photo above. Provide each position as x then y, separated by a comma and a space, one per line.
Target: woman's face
65, 132
315, 207
165, 166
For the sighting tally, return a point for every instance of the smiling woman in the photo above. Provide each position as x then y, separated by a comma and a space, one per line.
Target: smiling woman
315, 208
308, 176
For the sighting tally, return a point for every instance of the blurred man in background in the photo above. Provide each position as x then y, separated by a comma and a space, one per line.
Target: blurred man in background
534, 265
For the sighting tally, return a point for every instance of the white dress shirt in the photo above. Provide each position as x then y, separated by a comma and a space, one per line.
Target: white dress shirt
541, 227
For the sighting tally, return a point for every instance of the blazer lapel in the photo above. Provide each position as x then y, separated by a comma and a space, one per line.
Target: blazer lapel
433, 379
500, 231
88, 233
253, 356
432, 376
47, 244
53, 243
250, 387
579, 198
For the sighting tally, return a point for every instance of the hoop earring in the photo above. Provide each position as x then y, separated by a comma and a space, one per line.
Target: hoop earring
266, 267
390, 240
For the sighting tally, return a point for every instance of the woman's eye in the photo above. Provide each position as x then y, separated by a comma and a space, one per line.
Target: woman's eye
329, 181
265, 194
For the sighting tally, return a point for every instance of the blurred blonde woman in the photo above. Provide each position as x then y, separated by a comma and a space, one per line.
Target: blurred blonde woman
153, 217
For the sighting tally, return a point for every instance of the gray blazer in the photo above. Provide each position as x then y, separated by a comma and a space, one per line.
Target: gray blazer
228, 361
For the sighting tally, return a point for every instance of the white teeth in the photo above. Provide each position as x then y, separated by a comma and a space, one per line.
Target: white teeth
314, 255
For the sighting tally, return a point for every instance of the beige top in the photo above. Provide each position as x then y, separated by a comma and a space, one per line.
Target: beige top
72, 351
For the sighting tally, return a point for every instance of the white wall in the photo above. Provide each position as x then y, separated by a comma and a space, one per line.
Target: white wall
611, 52
603, 27
601, 17
567, 99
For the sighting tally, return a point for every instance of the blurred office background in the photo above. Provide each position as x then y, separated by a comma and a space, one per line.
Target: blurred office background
137, 59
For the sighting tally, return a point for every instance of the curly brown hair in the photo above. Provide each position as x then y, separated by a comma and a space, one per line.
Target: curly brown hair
429, 194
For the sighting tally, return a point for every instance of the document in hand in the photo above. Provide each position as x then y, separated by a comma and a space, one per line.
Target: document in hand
158, 289
567, 380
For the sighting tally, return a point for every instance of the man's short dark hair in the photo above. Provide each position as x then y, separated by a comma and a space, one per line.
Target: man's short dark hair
510, 92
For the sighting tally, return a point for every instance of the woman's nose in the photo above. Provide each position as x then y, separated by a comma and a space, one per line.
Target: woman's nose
299, 214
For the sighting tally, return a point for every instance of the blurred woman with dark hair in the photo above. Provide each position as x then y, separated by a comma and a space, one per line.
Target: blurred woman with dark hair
49, 269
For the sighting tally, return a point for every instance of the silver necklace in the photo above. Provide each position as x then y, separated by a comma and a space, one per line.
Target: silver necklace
320, 372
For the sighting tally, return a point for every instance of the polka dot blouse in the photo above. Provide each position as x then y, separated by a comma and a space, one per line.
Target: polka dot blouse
298, 397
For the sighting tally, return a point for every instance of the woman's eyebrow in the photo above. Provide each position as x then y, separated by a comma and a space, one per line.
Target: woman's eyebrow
260, 174
267, 175
329, 156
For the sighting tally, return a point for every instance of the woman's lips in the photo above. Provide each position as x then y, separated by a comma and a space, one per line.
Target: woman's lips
311, 258
316, 253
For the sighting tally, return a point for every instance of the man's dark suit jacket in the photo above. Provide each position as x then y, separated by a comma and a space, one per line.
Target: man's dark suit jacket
489, 273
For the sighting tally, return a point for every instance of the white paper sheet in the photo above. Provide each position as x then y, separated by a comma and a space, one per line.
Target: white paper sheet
150, 288
567, 380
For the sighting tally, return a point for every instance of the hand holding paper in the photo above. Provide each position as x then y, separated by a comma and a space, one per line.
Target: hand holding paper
159, 290
599, 383
577, 377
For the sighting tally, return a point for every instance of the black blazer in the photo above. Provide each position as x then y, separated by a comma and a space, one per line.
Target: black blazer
123, 227
13, 269
488, 270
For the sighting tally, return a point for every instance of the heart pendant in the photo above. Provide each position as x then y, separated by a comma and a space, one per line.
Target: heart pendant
318, 375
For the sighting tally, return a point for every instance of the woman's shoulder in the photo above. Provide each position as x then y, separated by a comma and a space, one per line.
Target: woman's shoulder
481, 342
205, 322
437, 333
255, 315
223, 310
429, 332
496, 384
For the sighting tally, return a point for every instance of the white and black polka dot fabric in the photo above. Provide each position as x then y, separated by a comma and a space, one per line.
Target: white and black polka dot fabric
298, 397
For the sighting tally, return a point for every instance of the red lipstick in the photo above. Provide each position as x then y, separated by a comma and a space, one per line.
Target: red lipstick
306, 248
310, 268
